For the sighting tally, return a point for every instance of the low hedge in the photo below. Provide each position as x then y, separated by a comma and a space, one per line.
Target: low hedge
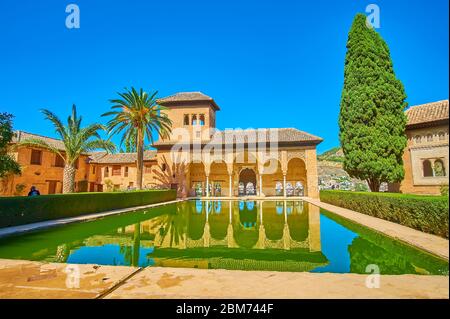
24, 210
425, 213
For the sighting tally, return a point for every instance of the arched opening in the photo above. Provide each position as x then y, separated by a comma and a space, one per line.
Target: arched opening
429, 137
296, 178
247, 179
198, 179
219, 219
246, 227
427, 169
441, 136
186, 119
272, 178
194, 119
298, 222
439, 168
218, 178
196, 221
202, 119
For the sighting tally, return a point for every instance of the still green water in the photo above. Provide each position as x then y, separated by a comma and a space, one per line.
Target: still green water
246, 235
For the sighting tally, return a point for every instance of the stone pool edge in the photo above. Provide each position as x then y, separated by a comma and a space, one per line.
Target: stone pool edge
427, 242
21, 229
21, 279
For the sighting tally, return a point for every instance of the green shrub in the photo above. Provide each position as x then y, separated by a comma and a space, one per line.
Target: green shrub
24, 210
444, 190
425, 213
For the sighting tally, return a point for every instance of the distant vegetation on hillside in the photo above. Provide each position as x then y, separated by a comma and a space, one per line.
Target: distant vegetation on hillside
333, 155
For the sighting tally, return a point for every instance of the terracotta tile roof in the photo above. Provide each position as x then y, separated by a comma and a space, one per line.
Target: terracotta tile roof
426, 113
94, 157
119, 158
187, 97
283, 135
21, 136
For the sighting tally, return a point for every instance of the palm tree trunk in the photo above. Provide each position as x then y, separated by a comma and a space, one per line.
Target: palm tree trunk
69, 179
140, 159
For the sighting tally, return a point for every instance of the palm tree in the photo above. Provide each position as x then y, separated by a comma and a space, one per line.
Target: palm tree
77, 141
138, 115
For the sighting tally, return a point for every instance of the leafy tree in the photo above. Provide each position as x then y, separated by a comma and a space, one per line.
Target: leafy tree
8, 166
77, 141
372, 120
137, 116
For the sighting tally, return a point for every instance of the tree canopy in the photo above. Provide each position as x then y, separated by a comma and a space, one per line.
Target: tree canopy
372, 120
8, 165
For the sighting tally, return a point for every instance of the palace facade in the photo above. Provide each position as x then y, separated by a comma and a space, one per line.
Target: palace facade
196, 158
426, 156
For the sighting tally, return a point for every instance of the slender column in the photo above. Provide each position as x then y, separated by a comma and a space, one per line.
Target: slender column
260, 185
231, 185
284, 185
207, 186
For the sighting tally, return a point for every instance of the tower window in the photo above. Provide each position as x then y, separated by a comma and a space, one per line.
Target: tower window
202, 119
430, 137
186, 119
194, 119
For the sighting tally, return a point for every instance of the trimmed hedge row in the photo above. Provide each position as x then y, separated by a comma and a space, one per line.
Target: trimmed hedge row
24, 210
425, 213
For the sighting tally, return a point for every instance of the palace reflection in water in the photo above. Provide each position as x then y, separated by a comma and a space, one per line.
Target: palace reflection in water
245, 235
235, 235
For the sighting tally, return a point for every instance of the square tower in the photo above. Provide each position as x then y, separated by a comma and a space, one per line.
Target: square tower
192, 113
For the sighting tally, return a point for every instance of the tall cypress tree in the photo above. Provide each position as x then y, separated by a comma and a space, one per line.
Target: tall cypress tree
372, 120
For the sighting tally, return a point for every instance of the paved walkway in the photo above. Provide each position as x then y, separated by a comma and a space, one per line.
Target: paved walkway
431, 243
14, 230
25, 279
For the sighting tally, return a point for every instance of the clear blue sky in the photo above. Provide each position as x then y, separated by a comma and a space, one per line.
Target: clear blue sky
266, 63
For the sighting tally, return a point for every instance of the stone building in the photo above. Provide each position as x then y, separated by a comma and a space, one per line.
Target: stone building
426, 155
197, 157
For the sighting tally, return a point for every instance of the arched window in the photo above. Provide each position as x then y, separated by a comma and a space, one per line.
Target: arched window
427, 169
202, 119
194, 119
439, 168
186, 119
429, 137
441, 136
417, 139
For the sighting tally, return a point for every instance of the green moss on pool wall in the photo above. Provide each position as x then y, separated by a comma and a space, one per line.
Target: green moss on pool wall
246, 235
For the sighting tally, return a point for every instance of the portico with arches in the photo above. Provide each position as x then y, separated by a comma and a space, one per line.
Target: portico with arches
270, 162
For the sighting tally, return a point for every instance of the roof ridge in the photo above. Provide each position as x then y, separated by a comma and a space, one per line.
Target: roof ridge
427, 104
40, 135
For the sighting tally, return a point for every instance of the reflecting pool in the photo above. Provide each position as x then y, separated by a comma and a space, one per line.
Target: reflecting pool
245, 235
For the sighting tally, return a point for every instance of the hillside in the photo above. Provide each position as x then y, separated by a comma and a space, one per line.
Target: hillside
333, 155
332, 174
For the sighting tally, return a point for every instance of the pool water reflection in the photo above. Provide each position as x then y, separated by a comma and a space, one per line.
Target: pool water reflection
246, 235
